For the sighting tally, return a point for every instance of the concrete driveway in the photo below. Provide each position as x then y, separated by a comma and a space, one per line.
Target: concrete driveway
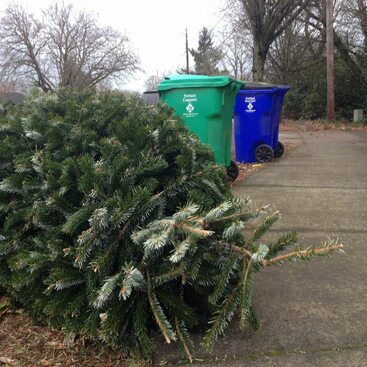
312, 314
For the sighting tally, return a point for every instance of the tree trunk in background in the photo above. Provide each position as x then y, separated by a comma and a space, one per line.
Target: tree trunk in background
259, 59
330, 61
187, 54
266, 21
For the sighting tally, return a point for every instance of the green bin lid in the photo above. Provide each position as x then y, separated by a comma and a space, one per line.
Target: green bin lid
196, 81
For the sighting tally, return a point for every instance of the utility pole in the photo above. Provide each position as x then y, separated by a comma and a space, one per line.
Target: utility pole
187, 54
330, 60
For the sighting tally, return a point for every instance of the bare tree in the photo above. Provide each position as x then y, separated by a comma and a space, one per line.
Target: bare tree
330, 64
362, 17
297, 49
354, 23
236, 44
267, 20
237, 55
152, 82
349, 36
67, 48
22, 46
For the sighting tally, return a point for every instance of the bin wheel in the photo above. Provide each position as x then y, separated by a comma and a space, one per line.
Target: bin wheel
264, 153
232, 171
279, 150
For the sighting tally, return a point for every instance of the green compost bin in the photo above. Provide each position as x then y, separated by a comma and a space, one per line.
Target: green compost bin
205, 103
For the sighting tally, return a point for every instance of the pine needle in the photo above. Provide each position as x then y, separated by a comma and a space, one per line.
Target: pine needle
162, 322
304, 254
184, 338
246, 293
263, 228
222, 318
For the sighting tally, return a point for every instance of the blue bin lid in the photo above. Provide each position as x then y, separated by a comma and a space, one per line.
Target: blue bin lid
285, 88
257, 85
263, 87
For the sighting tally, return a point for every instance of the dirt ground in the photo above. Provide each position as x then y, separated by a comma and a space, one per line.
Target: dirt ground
247, 169
23, 344
317, 125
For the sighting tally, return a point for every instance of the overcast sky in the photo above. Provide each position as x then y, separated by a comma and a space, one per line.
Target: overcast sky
156, 28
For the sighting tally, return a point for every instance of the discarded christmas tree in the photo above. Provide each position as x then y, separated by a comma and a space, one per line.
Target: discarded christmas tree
117, 221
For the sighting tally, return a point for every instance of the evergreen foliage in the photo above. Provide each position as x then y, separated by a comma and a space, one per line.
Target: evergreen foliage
207, 56
307, 97
116, 221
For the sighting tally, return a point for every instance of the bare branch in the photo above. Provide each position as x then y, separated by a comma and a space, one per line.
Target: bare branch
267, 21
67, 48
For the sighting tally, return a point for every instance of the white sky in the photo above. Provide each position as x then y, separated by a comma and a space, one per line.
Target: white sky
156, 28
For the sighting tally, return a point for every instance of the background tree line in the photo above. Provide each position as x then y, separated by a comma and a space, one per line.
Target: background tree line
279, 41
284, 42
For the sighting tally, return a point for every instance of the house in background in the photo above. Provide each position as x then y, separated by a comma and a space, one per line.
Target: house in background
12, 97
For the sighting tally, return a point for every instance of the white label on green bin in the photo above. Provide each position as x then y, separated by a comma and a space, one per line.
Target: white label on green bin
250, 107
189, 98
190, 111
190, 108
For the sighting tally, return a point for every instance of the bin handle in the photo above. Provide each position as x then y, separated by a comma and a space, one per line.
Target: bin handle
230, 88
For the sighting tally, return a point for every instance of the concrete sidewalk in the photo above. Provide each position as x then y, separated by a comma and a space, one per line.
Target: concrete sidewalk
312, 314
315, 314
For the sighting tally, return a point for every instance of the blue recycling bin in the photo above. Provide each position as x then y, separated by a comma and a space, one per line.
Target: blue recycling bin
257, 114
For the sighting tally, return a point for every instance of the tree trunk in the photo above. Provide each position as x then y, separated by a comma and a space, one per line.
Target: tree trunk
258, 62
330, 60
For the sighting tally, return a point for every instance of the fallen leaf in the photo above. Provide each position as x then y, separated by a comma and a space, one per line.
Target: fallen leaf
56, 345
69, 339
44, 362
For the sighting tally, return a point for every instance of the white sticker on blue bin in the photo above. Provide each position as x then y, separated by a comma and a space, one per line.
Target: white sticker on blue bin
250, 104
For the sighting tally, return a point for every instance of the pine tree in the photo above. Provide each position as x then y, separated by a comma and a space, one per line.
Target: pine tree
117, 221
12, 144
207, 56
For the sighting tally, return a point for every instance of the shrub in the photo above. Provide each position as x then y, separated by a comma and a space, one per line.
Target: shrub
307, 98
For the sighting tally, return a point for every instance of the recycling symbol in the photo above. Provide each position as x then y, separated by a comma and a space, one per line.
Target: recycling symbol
250, 106
190, 108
